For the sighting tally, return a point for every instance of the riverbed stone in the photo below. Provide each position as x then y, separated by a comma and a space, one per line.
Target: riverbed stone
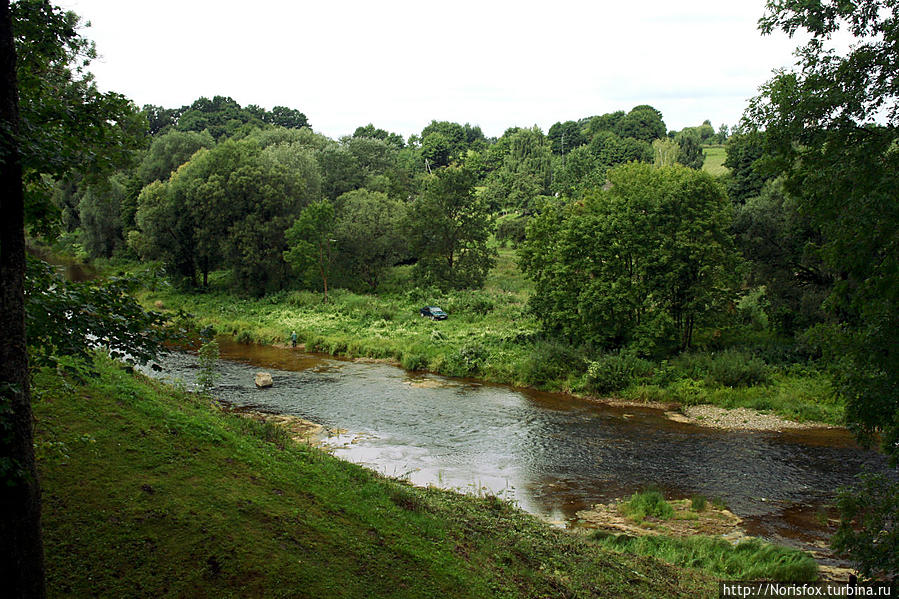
264, 379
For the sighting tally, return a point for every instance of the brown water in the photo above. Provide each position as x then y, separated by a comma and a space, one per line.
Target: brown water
551, 453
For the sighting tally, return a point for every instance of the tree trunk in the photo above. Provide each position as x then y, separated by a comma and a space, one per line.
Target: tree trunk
21, 551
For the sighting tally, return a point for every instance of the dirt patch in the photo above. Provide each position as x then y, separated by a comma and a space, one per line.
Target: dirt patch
742, 419
711, 521
300, 430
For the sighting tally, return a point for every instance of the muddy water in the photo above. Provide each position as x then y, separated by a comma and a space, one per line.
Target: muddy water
551, 453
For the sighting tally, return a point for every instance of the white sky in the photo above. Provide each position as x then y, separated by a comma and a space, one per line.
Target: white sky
400, 64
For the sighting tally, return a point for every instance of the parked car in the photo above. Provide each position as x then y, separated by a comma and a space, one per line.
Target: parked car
433, 312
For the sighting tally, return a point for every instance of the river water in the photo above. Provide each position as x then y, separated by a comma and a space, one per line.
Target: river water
551, 453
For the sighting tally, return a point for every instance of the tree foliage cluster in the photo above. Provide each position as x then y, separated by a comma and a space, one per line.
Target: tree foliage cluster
638, 265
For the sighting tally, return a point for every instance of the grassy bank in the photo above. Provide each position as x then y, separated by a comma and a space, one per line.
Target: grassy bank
149, 491
491, 335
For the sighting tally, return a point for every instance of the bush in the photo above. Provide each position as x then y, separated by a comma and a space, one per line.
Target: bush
475, 302
737, 369
551, 361
613, 372
512, 230
466, 361
869, 526
647, 503
245, 337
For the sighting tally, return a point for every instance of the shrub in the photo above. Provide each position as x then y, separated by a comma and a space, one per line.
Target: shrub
468, 360
869, 526
512, 230
550, 361
413, 360
613, 372
737, 369
245, 337
647, 503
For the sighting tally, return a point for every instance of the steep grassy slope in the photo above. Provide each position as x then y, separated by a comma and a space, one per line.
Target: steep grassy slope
151, 492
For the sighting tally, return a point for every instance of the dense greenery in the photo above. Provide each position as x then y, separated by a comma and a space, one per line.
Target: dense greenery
640, 264
752, 266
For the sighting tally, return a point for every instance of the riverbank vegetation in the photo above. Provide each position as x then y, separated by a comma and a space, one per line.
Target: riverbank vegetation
173, 497
768, 281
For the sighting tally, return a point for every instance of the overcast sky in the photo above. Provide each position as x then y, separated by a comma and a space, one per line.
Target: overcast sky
400, 64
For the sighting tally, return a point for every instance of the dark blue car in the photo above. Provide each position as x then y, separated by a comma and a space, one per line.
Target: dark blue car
433, 312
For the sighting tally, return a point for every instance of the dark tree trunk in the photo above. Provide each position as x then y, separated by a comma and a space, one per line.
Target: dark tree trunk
21, 552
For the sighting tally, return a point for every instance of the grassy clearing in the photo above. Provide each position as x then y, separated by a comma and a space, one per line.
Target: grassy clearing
714, 160
747, 560
149, 491
491, 335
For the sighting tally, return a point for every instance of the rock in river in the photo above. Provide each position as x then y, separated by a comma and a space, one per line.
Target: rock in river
264, 379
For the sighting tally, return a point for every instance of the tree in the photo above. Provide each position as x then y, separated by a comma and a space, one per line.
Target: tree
393, 139
169, 151
689, 152
289, 118
448, 231
665, 152
525, 174
100, 215
67, 125
783, 248
310, 243
638, 264
565, 137
642, 122
745, 179
21, 552
368, 234
832, 128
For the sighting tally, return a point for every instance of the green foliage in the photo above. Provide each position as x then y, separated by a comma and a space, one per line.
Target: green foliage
564, 137
208, 357
745, 179
640, 263
869, 526
512, 230
647, 504
832, 127
310, 242
550, 361
66, 320
747, 560
169, 151
689, 152
66, 124
643, 123
615, 371
698, 503
448, 227
368, 235
227, 206
525, 172
784, 250
737, 369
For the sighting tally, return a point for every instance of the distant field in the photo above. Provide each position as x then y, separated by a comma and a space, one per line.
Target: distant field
714, 160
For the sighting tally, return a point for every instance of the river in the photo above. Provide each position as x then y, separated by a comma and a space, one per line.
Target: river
551, 453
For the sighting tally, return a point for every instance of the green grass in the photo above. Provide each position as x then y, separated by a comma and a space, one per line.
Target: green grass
649, 503
714, 160
150, 491
747, 560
